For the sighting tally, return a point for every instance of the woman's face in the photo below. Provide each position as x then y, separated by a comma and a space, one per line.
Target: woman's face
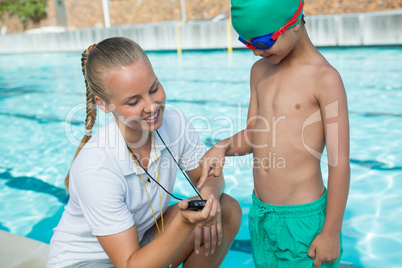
135, 96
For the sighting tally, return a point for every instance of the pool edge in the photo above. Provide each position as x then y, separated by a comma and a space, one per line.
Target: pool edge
19, 252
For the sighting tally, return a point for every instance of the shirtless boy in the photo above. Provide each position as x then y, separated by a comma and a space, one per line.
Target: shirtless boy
297, 107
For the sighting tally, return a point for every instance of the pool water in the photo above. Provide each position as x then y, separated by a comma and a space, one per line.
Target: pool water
42, 110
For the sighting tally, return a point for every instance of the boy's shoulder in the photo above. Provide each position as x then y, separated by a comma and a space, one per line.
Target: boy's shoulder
261, 64
326, 79
318, 70
261, 69
316, 66
326, 74
315, 70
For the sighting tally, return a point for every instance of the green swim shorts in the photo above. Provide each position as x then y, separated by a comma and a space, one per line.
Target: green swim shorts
281, 235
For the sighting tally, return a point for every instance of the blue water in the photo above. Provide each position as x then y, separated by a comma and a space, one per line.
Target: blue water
42, 102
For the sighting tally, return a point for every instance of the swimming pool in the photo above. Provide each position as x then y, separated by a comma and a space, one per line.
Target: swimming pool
42, 114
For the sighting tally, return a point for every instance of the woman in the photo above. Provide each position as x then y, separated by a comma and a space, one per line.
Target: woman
120, 181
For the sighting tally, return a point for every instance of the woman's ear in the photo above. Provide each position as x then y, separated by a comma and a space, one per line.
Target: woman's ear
102, 105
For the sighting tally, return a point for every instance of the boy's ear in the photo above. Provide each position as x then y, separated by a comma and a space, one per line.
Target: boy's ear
297, 27
102, 105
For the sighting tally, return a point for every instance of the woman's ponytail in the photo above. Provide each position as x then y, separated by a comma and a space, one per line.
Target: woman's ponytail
90, 111
109, 54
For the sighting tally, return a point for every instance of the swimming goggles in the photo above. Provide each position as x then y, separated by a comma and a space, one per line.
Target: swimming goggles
266, 41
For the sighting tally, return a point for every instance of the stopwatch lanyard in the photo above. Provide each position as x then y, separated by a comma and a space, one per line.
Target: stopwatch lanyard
143, 181
184, 174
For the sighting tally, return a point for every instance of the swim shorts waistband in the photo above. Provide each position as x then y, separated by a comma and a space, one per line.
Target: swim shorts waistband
293, 210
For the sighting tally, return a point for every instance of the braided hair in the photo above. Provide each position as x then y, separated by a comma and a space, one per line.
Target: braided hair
109, 54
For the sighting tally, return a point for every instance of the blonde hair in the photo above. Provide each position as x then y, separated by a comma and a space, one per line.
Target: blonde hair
109, 54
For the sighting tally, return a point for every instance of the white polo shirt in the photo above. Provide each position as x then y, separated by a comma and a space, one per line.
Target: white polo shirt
107, 195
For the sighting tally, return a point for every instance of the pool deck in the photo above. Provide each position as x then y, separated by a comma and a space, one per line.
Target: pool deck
21, 252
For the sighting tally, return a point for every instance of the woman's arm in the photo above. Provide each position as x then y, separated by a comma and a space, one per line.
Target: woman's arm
212, 230
124, 250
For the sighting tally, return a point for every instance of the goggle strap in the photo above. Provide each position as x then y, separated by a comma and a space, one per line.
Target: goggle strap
292, 21
283, 29
250, 46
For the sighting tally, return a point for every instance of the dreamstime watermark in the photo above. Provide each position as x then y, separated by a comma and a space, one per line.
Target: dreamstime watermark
218, 126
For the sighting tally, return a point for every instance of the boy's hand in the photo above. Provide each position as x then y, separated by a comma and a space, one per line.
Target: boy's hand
211, 164
324, 249
208, 222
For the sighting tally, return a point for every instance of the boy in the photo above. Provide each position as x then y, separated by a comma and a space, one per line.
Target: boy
297, 106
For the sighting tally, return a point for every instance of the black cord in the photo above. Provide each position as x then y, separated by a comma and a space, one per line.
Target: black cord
152, 177
185, 175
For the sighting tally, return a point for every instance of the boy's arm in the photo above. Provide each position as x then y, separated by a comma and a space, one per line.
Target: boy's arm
239, 144
334, 111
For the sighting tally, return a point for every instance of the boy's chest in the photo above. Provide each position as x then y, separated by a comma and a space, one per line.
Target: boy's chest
286, 96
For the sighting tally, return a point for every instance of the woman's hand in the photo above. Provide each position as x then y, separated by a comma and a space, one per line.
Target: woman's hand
212, 163
208, 223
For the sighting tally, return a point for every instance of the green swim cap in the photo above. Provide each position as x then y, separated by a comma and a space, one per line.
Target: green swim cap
253, 18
